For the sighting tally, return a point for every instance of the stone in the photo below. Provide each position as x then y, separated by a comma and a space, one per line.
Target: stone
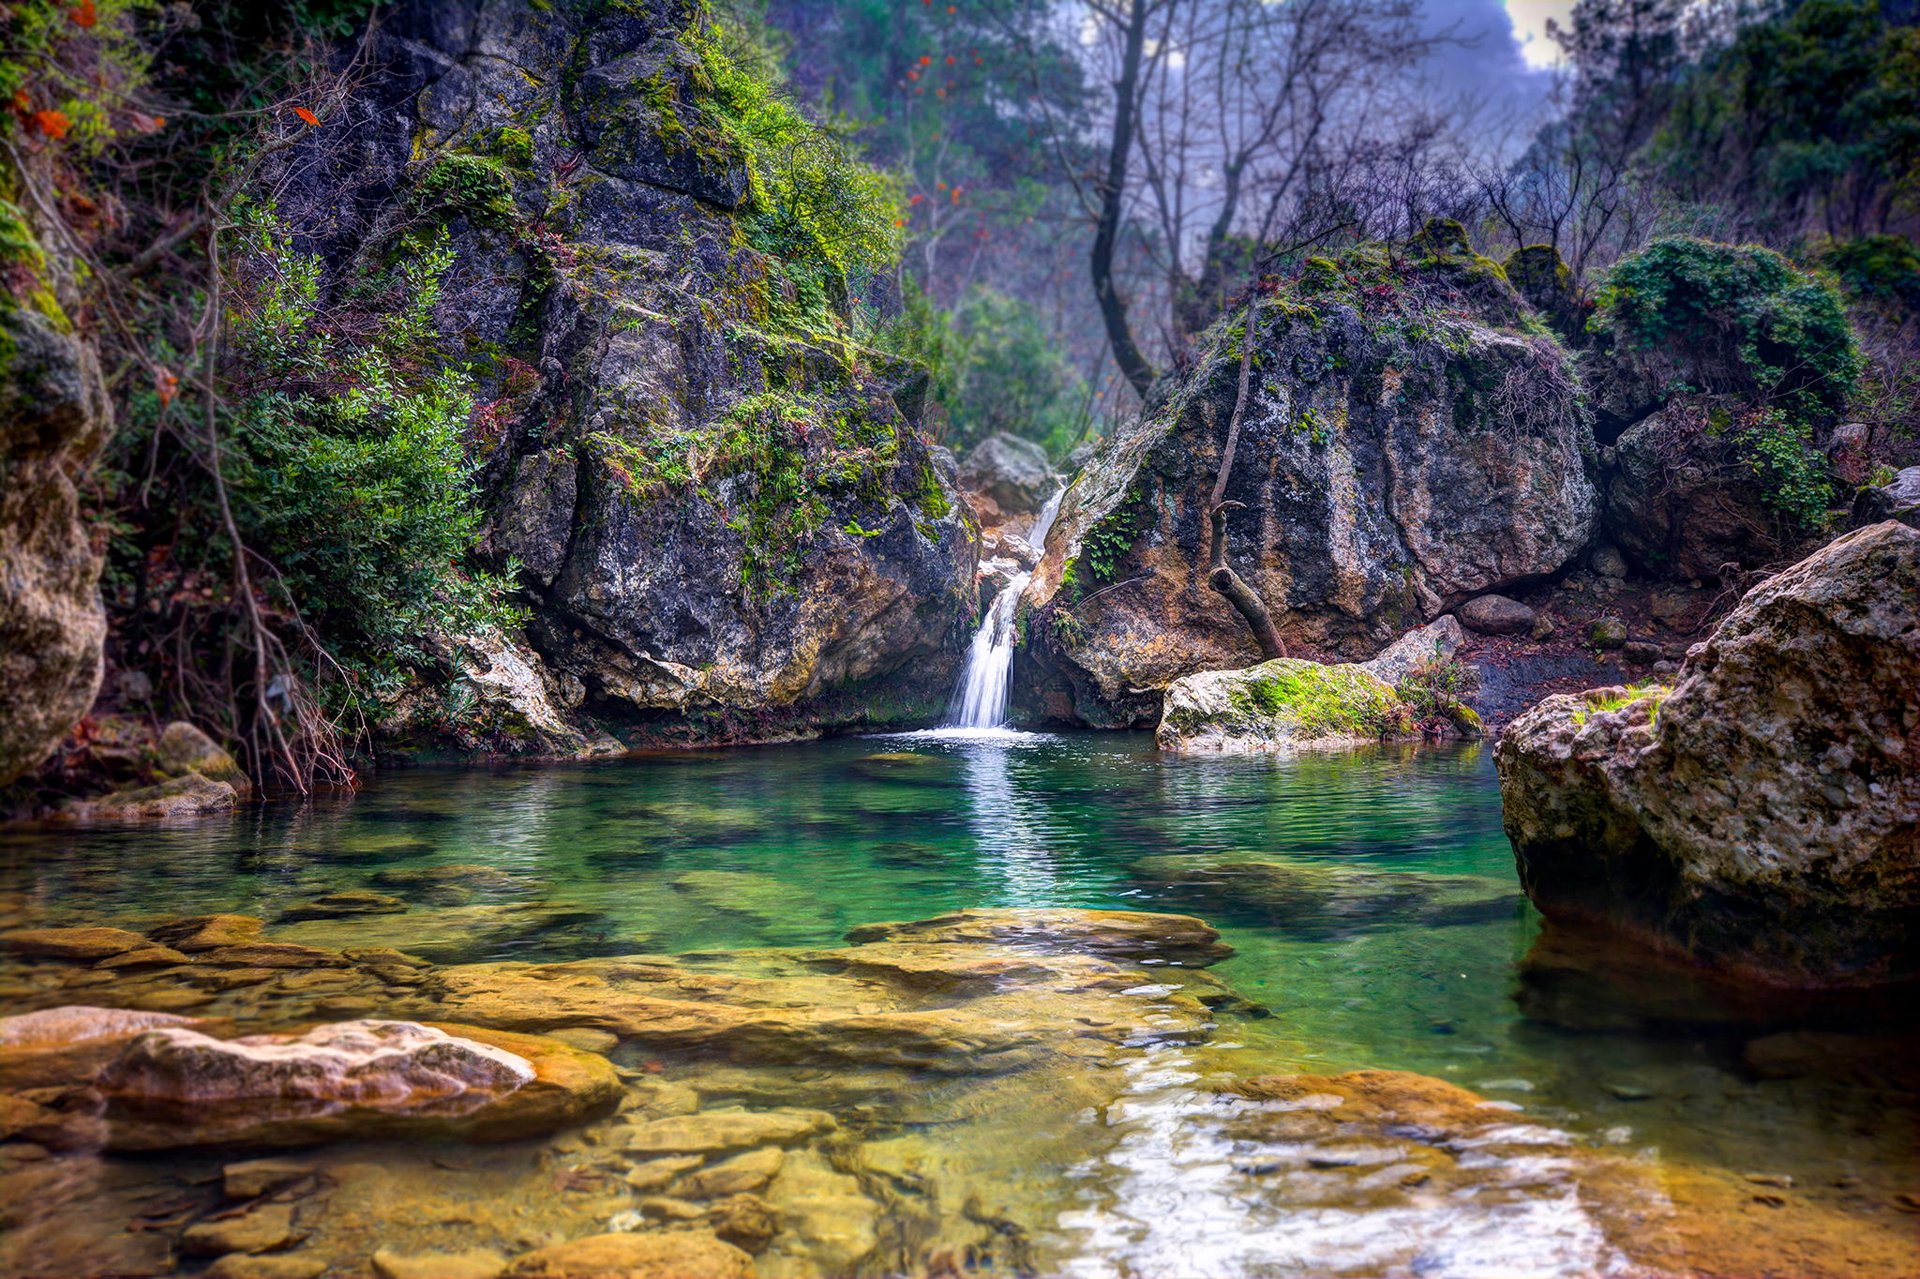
452, 885
283, 1265
1765, 808
1177, 939
273, 954
1285, 704
184, 749
746, 1221
1373, 497
208, 932
188, 796
258, 1229
474, 1263
75, 944
740, 1175
1437, 641
1898, 499
1682, 505
55, 415
1495, 615
251, 1178
344, 903
1641, 652
1015, 474
712, 1131
1606, 561
677, 1254
1607, 633
145, 957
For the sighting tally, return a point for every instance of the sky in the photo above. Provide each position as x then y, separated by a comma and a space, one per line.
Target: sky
1529, 21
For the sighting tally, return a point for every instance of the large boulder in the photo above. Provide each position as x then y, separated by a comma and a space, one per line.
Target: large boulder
1762, 815
1404, 447
1897, 499
54, 418
728, 521
1285, 704
1015, 473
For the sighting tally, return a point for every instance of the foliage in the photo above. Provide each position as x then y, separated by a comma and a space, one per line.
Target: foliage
1793, 474
349, 470
1436, 693
1876, 269
1780, 333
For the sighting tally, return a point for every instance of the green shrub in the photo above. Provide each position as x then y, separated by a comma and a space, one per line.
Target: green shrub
1876, 268
1779, 333
1436, 692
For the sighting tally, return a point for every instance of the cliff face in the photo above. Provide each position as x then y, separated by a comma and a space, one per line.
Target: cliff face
54, 418
1411, 438
724, 512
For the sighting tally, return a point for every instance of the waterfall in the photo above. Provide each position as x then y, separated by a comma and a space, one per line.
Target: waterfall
980, 701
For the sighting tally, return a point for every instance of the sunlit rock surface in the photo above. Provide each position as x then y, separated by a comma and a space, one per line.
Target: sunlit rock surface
1285, 704
1763, 813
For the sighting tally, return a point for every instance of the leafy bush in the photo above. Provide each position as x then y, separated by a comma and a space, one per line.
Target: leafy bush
350, 470
1772, 332
1876, 268
1436, 693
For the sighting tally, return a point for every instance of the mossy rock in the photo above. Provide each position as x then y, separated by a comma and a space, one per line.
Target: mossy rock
1280, 705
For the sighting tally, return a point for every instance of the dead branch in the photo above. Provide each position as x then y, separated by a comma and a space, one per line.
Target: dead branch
1220, 574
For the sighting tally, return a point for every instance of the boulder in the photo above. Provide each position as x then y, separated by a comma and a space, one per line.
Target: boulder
1437, 641
54, 417
184, 749
1015, 474
1375, 494
188, 796
1495, 615
1762, 815
1898, 499
1682, 505
1284, 704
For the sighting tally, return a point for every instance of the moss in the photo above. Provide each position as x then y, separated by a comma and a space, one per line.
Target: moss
460, 183
1602, 701
1321, 701
515, 146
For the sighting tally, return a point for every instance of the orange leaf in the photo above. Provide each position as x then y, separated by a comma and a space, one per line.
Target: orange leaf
82, 14
52, 123
307, 115
165, 385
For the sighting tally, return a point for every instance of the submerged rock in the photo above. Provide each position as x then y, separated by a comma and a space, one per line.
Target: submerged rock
1118, 934
1280, 705
677, 1254
1323, 901
190, 795
1763, 814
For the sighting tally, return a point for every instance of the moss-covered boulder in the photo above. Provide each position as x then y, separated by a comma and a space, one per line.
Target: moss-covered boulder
1762, 815
1413, 437
1279, 705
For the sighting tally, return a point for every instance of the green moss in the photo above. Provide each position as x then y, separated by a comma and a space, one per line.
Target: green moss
459, 183
515, 146
1321, 701
1605, 700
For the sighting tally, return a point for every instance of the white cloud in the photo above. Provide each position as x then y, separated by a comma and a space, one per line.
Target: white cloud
1529, 19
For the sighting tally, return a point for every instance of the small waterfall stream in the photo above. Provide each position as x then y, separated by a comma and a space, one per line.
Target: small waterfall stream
980, 701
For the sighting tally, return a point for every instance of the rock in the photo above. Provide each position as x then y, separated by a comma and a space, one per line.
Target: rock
1372, 493
1763, 811
1543, 629
1175, 939
1279, 705
1325, 902
746, 1221
1682, 505
259, 1229
1676, 609
176, 1087
188, 796
831, 1227
740, 1175
251, 1178
1437, 641
208, 932
1607, 561
711, 1131
184, 749
344, 903
662, 327
1899, 499
1495, 615
145, 957
273, 954
1015, 473
78, 944
1607, 633
55, 415
284, 1265
1640, 652
678, 1254
452, 885
474, 1263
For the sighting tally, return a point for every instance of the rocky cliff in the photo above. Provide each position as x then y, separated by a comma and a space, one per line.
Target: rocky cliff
54, 418
726, 519
1413, 436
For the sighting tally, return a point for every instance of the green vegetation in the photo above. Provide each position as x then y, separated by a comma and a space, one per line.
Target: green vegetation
996, 368
1435, 693
1322, 701
1607, 701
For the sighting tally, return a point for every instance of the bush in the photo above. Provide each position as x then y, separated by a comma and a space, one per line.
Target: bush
1436, 693
1739, 315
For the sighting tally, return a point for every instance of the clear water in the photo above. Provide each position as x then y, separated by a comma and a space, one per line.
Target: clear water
1392, 933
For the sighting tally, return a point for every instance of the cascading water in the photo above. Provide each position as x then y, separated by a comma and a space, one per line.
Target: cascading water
980, 701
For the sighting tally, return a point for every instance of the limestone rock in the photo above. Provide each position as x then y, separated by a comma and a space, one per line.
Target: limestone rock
1762, 815
1285, 704
79, 944
1015, 473
1681, 505
188, 796
1375, 497
184, 749
54, 417
1438, 640
259, 1229
1495, 615
677, 1254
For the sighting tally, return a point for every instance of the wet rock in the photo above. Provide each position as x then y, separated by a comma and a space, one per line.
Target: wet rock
677, 1254
1015, 473
145, 957
189, 796
259, 1229
1437, 641
453, 885
1179, 939
745, 1221
830, 1224
740, 1175
1495, 615
184, 749
273, 954
251, 1178
75, 944
1280, 705
284, 1265
475, 1263
1328, 901
712, 1131
344, 903
208, 932
1607, 633
1760, 816
454, 934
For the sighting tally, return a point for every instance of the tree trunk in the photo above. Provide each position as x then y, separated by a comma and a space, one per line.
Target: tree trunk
1220, 574
1113, 309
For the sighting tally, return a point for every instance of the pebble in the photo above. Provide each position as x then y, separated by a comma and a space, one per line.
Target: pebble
1630, 1092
